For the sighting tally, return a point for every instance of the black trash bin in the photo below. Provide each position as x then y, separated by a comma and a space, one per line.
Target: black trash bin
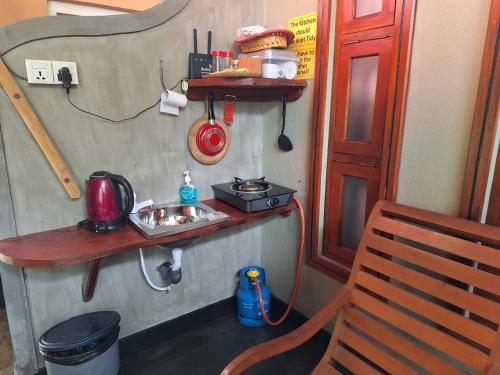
84, 345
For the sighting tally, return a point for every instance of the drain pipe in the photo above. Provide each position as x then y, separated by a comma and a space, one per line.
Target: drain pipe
175, 270
169, 272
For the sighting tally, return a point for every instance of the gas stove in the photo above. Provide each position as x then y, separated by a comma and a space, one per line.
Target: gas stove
253, 195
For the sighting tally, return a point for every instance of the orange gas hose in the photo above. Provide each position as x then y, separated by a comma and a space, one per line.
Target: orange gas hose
297, 274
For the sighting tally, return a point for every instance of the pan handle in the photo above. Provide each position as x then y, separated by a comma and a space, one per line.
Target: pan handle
211, 113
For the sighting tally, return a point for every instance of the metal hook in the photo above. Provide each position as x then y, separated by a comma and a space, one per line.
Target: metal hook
161, 76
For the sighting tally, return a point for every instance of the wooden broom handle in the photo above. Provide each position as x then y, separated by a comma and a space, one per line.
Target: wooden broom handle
38, 132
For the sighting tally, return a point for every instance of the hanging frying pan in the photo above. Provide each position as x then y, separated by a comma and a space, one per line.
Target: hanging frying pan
209, 138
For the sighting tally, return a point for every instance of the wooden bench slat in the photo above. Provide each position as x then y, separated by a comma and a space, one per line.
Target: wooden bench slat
400, 344
352, 363
373, 353
430, 335
453, 245
453, 225
435, 263
434, 287
429, 310
325, 369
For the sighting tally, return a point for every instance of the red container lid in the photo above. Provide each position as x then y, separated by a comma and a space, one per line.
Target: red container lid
227, 53
217, 53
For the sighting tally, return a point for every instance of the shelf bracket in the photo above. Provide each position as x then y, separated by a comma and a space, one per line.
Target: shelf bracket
90, 281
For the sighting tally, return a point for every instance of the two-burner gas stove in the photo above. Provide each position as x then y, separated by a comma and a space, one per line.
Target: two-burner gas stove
253, 195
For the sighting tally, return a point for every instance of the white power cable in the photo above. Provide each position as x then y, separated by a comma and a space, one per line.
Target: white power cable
148, 280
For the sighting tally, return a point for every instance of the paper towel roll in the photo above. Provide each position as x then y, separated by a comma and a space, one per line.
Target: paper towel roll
171, 102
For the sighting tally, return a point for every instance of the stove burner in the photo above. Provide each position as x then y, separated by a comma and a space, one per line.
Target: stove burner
250, 186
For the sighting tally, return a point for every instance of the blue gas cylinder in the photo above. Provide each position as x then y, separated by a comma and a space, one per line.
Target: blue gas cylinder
249, 313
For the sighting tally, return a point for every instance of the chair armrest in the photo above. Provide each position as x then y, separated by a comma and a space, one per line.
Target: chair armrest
493, 369
289, 341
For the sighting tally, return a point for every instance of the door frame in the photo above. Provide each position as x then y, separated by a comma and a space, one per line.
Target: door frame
485, 123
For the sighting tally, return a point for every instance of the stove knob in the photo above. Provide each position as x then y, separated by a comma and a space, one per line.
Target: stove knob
272, 202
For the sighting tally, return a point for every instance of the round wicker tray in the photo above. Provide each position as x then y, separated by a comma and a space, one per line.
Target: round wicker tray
278, 38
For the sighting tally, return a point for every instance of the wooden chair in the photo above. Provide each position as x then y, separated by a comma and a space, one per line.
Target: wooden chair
423, 296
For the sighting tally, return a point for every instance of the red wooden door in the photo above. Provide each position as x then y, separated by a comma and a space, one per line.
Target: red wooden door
362, 15
357, 128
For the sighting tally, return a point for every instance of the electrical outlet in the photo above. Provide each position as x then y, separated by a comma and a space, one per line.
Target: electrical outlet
56, 65
39, 71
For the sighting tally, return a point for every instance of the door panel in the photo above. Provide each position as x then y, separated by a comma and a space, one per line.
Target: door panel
354, 193
362, 15
351, 194
363, 88
361, 97
367, 7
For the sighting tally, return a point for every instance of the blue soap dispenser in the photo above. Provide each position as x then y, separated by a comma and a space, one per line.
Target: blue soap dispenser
188, 192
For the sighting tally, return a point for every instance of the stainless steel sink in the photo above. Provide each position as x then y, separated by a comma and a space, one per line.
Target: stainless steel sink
171, 218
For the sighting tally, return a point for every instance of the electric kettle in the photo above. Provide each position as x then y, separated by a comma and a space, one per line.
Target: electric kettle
107, 206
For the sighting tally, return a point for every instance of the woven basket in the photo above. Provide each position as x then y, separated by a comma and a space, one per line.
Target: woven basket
263, 42
269, 39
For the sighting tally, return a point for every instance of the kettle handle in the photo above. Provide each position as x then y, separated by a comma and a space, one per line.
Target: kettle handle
120, 180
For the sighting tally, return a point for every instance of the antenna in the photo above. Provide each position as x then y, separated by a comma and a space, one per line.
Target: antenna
209, 45
195, 40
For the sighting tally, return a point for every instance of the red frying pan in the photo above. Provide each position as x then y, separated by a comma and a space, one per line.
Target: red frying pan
209, 138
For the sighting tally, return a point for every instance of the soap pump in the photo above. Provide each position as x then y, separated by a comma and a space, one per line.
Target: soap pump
188, 193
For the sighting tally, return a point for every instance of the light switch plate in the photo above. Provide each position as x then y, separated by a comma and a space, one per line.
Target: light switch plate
56, 65
39, 71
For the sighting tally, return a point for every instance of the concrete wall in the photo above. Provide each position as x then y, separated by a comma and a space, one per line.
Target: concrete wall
14, 10
448, 44
119, 75
446, 62
280, 237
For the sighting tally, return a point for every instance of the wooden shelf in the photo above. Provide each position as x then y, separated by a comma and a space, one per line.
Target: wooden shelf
246, 89
73, 245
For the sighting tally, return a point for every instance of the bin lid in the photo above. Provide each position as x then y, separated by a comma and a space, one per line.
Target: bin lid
79, 331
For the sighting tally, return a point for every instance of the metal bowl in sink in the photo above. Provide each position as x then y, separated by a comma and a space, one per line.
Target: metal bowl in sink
166, 219
173, 215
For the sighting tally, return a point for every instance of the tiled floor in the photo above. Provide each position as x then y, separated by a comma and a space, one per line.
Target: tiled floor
209, 349
6, 355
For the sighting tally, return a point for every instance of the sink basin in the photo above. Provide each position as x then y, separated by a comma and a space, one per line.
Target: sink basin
172, 218
173, 215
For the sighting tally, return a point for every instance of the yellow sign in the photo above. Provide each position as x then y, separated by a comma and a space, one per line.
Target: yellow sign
304, 28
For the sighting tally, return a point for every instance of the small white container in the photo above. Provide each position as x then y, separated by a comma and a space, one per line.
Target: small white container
276, 63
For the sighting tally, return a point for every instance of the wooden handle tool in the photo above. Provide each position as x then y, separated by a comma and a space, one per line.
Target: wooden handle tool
38, 132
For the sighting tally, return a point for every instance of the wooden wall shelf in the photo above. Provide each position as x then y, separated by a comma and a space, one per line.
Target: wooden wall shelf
74, 245
246, 89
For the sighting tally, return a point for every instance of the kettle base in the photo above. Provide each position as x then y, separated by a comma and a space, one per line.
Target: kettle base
102, 226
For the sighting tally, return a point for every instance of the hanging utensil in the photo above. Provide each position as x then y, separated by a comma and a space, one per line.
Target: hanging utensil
209, 138
284, 143
229, 109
